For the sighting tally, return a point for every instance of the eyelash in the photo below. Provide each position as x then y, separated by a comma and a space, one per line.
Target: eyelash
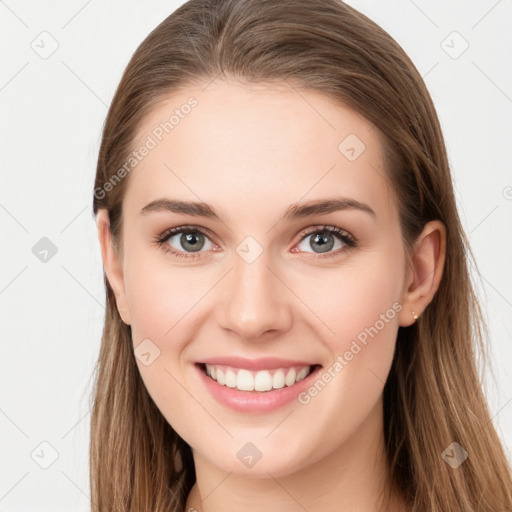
161, 240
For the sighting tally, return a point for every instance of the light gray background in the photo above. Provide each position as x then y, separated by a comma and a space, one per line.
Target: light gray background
52, 112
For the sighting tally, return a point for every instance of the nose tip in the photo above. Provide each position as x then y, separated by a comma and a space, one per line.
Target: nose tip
255, 301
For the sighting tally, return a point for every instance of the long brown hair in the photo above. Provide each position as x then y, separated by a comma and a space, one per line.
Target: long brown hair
434, 394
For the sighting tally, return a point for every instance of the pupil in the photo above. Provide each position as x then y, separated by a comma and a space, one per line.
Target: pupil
323, 241
188, 238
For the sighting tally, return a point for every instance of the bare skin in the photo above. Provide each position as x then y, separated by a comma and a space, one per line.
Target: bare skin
251, 152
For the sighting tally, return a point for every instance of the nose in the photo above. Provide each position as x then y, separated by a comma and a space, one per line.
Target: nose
255, 301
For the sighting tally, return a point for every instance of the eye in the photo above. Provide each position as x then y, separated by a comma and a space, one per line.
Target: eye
188, 241
184, 241
324, 240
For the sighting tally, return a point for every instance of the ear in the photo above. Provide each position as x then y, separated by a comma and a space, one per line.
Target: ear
112, 263
424, 272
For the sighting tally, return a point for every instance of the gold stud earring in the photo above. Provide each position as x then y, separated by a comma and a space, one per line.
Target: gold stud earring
414, 315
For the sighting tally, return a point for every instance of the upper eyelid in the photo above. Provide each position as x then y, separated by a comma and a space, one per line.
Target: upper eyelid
168, 233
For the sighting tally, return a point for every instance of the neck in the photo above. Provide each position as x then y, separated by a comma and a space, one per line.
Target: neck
352, 477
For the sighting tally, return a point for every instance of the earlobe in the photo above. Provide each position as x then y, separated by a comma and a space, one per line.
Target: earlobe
112, 264
425, 272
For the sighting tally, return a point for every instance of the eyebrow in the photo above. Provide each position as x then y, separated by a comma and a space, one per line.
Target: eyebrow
293, 212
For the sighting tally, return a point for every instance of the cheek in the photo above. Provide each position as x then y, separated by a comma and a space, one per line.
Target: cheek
358, 306
161, 304
358, 300
163, 301
362, 303
158, 295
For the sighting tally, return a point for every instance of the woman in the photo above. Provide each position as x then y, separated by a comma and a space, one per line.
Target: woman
290, 318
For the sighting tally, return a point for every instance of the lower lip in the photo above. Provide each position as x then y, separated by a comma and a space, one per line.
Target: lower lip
255, 401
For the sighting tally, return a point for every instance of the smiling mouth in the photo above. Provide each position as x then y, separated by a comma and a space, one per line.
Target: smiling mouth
257, 381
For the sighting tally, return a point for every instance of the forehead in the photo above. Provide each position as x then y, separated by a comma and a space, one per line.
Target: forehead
243, 146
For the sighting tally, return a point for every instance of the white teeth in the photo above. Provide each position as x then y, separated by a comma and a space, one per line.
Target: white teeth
264, 380
230, 378
245, 380
290, 377
278, 379
302, 374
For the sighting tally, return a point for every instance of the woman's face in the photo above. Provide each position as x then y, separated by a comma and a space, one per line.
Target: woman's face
266, 284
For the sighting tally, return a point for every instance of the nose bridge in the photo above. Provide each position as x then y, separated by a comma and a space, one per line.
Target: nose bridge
255, 300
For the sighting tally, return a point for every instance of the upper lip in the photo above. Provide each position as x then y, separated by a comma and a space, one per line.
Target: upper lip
263, 363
